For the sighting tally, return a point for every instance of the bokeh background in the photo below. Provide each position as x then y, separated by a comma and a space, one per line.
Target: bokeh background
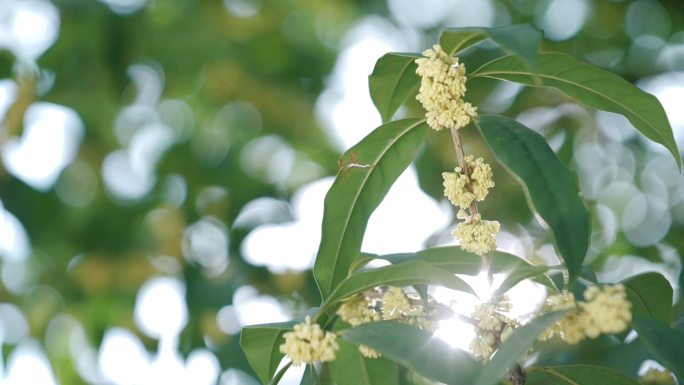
164, 164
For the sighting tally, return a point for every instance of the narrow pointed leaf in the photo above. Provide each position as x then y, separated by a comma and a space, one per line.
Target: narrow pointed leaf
520, 39
550, 187
352, 368
393, 81
261, 345
666, 344
519, 342
577, 375
367, 171
310, 376
418, 350
650, 295
592, 87
404, 274
454, 260
520, 274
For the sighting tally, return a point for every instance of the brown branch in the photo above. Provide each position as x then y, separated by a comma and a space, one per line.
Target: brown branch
517, 375
460, 155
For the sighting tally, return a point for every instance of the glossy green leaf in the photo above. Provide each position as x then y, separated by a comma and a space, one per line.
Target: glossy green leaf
457, 261
418, 350
392, 82
261, 346
650, 295
450, 258
352, 368
367, 171
310, 376
521, 39
592, 87
666, 344
404, 274
521, 273
577, 375
550, 187
511, 350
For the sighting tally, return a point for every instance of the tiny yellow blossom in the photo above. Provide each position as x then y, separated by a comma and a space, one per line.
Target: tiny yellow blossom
396, 304
476, 235
607, 309
455, 188
570, 327
480, 176
442, 88
357, 310
492, 327
462, 190
483, 345
308, 343
369, 352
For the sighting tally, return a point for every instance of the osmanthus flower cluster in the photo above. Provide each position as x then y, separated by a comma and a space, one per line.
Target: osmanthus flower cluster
462, 189
393, 304
308, 343
442, 89
492, 328
605, 310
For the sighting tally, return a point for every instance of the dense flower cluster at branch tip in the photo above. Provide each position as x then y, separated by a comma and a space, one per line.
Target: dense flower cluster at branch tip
456, 183
606, 310
476, 235
442, 88
492, 328
308, 343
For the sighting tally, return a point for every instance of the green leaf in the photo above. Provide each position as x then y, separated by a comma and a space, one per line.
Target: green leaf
521, 273
310, 376
457, 261
450, 258
520, 39
650, 295
577, 375
261, 344
404, 274
519, 342
666, 344
392, 82
367, 171
416, 349
352, 368
551, 188
592, 87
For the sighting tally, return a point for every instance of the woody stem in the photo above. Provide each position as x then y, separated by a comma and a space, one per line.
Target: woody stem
517, 375
460, 156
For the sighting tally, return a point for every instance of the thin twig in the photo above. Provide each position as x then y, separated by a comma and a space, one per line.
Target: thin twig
460, 155
517, 375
